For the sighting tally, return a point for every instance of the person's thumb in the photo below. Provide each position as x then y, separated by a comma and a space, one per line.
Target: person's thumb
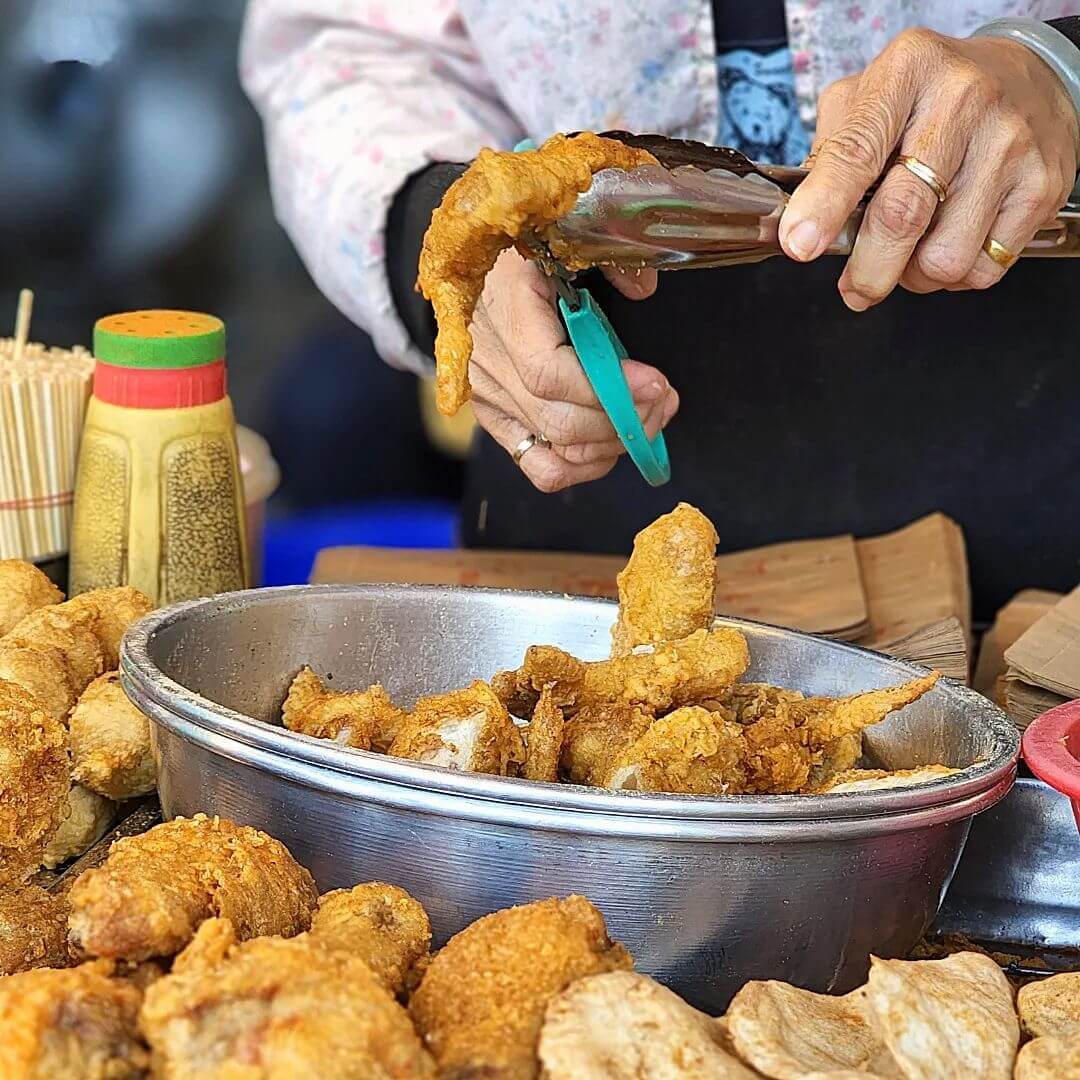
633, 284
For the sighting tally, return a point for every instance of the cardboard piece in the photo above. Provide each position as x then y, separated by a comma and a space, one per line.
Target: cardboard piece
1011, 621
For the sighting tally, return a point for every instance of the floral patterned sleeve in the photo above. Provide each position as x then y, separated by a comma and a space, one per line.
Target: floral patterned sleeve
355, 96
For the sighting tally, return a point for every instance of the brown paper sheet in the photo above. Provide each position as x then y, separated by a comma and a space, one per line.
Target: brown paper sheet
1048, 654
1011, 621
942, 646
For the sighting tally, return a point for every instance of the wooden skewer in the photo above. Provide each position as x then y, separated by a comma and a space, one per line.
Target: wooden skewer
22, 323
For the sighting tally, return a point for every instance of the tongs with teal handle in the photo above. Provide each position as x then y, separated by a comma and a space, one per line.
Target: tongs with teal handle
602, 354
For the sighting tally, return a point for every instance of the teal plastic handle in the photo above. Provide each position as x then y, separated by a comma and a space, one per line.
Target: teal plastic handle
601, 354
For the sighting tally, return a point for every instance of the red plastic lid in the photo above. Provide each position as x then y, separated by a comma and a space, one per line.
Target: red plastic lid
1052, 750
159, 388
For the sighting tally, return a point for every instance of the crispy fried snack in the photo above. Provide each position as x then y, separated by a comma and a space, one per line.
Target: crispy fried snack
701, 666
56, 651
110, 742
153, 891
667, 590
71, 1025
33, 929
597, 740
879, 779
543, 741
23, 589
381, 924
1051, 1006
626, 1026
276, 1008
783, 1031
1049, 1058
34, 780
468, 730
87, 817
480, 1005
501, 197
838, 756
945, 1018
362, 719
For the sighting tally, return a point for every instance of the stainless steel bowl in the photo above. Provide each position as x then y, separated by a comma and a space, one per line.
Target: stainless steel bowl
706, 893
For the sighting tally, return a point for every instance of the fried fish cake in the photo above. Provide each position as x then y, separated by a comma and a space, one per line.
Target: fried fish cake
154, 890
33, 929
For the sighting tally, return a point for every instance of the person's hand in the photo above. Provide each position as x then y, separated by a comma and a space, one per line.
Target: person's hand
526, 380
985, 114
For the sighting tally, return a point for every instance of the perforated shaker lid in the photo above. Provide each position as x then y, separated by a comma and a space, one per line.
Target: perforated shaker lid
159, 339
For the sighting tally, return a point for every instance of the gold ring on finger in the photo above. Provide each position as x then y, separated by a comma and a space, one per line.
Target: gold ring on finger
926, 175
999, 253
527, 444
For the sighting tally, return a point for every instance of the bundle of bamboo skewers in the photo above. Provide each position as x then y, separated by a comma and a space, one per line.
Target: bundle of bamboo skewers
43, 395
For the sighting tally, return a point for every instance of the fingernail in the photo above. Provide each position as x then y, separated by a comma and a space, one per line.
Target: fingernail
804, 240
854, 301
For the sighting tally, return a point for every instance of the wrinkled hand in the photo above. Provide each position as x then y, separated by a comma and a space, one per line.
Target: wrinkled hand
526, 380
987, 115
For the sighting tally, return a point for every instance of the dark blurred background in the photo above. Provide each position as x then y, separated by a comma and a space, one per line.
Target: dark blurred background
132, 175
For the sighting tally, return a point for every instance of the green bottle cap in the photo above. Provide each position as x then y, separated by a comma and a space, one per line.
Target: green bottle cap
159, 339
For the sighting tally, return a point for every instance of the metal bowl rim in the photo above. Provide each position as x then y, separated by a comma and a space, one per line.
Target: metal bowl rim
149, 680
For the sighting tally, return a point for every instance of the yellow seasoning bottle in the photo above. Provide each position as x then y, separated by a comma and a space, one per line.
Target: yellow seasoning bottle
158, 496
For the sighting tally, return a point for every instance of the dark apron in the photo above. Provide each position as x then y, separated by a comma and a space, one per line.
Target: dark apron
800, 418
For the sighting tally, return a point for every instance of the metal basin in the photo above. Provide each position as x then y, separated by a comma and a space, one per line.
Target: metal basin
706, 893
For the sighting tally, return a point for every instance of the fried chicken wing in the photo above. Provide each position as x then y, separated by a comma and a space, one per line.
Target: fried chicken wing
75, 1024
154, 890
838, 756
34, 780
468, 730
480, 1006
86, 818
667, 590
381, 924
501, 197
362, 719
832, 718
626, 1026
110, 742
701, 666
277, 1009
544, 741
33, 929
23, 589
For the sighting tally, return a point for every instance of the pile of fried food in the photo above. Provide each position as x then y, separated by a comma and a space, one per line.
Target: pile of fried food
665, 714
502, 199
202, 951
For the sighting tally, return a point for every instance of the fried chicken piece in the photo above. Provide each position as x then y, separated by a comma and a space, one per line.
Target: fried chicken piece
838, 756
75, 1024
33, 929
501, 197
480, 1006
468, 730
750, 702
1050, 1057
87, 817
879, 779
544, 741
34, 780
113, 611
699, 667
278, 1009
153, 890
597, 740
363, 719
381, 924
626, 1026
23, 589
667, 589
1051, 1006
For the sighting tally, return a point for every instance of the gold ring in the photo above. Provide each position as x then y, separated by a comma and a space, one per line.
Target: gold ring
526, 445
926, 175
999, 253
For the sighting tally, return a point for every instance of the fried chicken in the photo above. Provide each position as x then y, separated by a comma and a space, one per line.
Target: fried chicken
838, 756
154, 890
500, 198
362, 719
33, 929
110, 742
667, 590
468, 730
597, 741
34, 780
277, 1009
544, 741
480, 1006
86, 818
75, 1024
23, 589
701, 666
381, 924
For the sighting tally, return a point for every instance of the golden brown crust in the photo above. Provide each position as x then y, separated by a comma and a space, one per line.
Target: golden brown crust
543, 741
154, 890
597, 740
667, 589
23, 589
500, 197
480, 1005
33, 929
85, 820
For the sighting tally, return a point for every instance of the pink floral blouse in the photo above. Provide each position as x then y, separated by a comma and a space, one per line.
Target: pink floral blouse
358, 94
